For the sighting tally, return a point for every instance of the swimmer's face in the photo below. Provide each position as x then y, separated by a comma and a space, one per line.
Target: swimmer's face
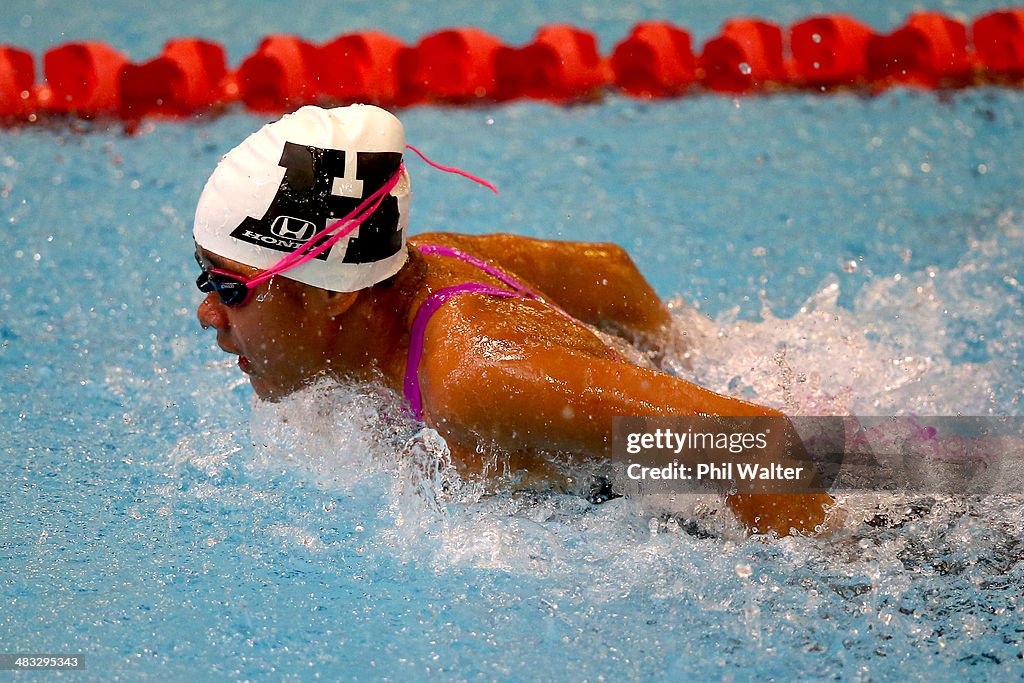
281, 334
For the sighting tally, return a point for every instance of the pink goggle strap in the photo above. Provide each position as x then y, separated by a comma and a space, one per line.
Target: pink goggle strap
456, 171
353, 220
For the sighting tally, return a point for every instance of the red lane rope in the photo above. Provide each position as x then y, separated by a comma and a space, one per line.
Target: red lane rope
466, 65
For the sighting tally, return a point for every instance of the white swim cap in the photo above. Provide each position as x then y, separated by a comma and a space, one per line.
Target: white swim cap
294, 177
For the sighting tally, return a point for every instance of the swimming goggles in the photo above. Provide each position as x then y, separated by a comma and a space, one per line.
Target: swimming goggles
231, 289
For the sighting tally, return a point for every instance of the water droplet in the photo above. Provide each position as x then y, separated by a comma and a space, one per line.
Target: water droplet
745, 69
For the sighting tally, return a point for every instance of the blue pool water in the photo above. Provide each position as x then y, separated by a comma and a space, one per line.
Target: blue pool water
850, 255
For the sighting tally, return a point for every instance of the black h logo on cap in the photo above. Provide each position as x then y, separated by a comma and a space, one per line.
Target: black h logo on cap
305, 203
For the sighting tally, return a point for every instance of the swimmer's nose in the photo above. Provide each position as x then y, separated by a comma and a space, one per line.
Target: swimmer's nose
211, 313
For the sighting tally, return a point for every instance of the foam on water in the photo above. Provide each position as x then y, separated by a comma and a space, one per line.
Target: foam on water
931, 342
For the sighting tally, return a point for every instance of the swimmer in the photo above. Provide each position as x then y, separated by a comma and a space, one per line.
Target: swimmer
302, 236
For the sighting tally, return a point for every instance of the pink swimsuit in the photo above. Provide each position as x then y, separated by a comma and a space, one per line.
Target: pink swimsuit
436, 300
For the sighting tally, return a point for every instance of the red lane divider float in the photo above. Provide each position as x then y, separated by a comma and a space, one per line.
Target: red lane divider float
280, 75
830, 51
455, 66
17, 81
656, 60
930, 51
562, 63
747, 56
190, 76
361, 67
83, 79
999, 43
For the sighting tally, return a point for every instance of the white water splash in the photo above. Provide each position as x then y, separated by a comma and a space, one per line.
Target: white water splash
928, 343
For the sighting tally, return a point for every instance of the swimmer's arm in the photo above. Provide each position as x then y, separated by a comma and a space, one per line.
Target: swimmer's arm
558, 399
597, 283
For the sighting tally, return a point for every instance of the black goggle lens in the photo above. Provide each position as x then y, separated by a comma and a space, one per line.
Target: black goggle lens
231, 292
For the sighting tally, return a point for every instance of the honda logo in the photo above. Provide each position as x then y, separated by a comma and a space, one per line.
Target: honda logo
289, 228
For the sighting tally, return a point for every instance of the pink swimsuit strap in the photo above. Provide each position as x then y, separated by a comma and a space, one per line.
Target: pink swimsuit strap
519, 291
411, 385
427, 309
479, 263
515, 284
